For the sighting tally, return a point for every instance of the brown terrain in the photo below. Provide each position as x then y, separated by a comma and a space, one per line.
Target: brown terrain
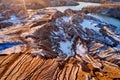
27, 66
95, 1
37, 4
92, 55
110, 9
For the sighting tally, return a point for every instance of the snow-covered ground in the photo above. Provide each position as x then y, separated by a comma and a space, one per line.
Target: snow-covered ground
13, 19
89, 24
66, 47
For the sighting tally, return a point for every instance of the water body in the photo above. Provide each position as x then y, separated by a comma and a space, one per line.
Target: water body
79, 7
106, 19
6, 45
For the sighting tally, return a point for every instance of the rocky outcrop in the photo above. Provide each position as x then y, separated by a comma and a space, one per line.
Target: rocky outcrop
5, 24
53, 45
27, 66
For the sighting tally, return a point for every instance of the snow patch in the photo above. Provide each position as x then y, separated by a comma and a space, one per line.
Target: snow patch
81, 49
118, 47
39, 52
115, 37
36, 17
66, 47
89, 24
13, 19
66, 18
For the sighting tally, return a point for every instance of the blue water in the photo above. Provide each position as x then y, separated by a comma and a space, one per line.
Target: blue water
107, 19
6, 45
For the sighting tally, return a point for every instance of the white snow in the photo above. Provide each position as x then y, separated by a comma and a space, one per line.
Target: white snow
66, 18
13, 19
118, 47
80, 49
39, 52
66, 47
1, 16
115, 37
61, 30
36, 17
89, 24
